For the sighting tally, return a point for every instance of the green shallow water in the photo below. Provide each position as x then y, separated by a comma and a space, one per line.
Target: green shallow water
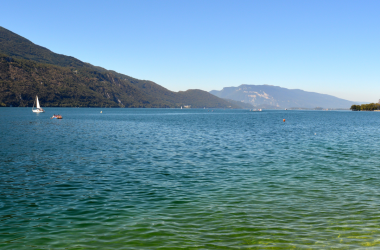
189, 179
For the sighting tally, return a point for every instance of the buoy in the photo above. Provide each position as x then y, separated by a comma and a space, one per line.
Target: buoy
100, 111
284, 120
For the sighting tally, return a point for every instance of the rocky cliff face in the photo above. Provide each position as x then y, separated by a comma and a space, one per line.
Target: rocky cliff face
267, 96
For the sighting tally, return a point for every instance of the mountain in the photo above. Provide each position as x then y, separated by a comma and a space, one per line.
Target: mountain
243, 105
274, 97
27, 70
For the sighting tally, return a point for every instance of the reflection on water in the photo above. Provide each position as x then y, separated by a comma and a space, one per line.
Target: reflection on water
172, 179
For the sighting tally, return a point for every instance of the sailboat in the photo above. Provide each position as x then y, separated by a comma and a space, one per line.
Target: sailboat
39, 109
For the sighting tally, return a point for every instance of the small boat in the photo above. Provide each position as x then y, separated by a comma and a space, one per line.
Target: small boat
39, 109
56, 117
255, 110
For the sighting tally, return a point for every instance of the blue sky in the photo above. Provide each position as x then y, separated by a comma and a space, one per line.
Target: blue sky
329, 47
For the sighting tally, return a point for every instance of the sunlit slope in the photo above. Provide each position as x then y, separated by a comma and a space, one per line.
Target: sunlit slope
27, 69
277, 97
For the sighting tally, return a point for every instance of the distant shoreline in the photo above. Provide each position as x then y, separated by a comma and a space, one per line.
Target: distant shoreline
366, 107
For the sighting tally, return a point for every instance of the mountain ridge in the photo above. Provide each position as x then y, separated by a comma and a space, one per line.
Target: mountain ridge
27, 69
279, 97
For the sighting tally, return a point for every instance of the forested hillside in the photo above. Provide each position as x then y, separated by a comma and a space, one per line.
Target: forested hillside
27, 70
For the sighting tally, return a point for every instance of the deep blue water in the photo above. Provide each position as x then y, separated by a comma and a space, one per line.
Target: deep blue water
189, 179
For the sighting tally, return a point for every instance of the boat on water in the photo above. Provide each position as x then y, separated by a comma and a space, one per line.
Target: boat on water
38, 108
255, 110
56, 117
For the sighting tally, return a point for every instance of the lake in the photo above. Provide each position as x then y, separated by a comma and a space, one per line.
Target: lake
189, 179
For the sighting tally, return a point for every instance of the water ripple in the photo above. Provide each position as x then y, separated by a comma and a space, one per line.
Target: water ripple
189, 179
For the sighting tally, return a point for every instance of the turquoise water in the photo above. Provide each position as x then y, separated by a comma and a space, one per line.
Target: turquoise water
189, 179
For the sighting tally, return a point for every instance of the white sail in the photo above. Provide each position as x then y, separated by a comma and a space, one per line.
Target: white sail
38, 103
38, 108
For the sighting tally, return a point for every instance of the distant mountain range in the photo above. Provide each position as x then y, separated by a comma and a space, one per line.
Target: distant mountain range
27, 70
274, 97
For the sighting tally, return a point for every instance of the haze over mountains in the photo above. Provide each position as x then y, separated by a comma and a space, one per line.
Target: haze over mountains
274, 97
27, 70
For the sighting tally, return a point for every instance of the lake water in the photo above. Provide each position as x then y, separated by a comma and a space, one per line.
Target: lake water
189, 179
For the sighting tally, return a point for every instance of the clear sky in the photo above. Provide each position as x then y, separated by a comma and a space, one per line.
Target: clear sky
329, 47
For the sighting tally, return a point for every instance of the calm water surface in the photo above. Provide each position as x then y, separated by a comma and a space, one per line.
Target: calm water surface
189, 179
